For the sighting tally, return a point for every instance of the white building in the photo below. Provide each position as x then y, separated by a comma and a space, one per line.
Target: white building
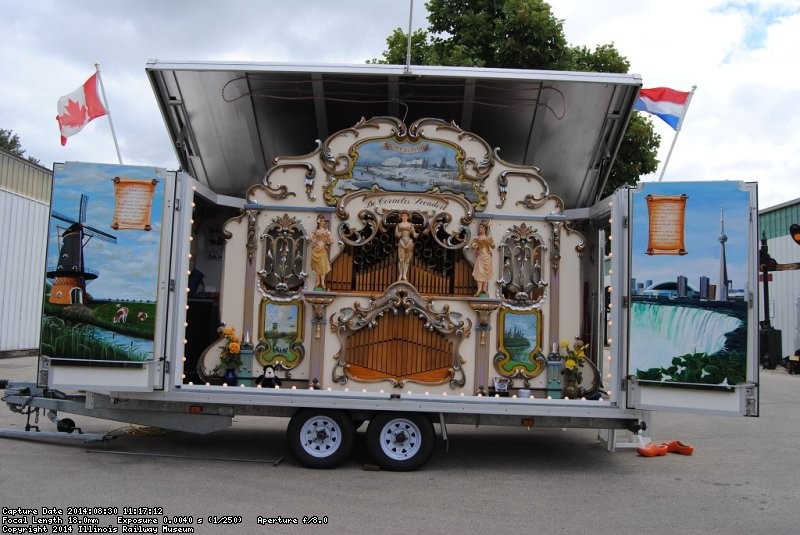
24, 212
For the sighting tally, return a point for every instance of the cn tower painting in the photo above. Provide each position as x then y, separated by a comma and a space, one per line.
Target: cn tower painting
689, 317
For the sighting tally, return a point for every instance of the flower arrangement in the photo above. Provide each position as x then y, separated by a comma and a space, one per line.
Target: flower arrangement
230, 357
573, 358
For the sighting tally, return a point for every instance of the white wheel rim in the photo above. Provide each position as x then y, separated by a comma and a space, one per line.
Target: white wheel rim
400, 439
320, 437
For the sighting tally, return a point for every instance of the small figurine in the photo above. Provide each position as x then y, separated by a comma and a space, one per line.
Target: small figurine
320, 246
483, 271
268, 379
404, 231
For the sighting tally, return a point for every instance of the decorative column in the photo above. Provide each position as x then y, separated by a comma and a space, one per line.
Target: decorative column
555, 260
319, 302
248, 331
484, 309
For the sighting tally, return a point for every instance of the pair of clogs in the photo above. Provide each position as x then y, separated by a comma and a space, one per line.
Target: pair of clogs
654, 450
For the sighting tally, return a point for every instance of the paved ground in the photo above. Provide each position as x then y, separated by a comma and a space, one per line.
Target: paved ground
743, 477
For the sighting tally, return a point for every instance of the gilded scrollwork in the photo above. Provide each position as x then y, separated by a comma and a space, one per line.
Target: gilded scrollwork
530, 174
252, 230
415, 160
519, 345
581, 246
386, 355
284, 257
521, 253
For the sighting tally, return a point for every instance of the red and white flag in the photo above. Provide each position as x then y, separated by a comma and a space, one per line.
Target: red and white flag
78, 108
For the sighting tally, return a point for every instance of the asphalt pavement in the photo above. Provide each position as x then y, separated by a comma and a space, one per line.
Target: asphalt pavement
742, 478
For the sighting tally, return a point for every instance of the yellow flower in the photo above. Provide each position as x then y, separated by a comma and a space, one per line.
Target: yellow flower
229, 331
564, 343
233, 347
570, 364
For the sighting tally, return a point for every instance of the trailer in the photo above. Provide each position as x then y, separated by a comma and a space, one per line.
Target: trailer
404, 246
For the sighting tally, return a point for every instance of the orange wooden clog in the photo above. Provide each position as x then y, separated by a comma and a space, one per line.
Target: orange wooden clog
676, 446
652, 450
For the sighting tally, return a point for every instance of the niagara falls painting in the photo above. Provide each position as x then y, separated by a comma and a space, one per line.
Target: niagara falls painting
688, 313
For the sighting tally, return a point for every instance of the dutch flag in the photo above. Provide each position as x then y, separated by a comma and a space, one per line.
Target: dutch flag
667, 103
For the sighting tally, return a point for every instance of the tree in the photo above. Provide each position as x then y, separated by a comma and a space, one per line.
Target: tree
10, 141
521, 34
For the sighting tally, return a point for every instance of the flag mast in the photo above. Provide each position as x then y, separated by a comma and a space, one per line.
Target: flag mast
677, 131
108, 111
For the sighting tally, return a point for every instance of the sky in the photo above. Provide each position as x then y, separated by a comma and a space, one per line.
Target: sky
742, 56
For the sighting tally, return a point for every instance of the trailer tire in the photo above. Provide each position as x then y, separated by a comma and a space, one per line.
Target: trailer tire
320, 438
400, 442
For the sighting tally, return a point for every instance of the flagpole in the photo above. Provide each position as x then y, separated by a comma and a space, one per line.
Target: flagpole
677, 131
408, 47
108, 112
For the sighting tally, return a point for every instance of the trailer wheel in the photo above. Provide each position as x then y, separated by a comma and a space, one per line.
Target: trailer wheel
400, 442
319, 438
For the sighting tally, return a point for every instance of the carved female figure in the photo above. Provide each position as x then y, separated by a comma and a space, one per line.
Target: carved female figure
483, 271
404, 232
320, 246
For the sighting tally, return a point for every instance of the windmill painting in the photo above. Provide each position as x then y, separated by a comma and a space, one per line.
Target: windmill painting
70, 273
101, 286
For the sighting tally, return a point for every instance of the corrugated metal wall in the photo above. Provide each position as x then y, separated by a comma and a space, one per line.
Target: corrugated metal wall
784, 290
24, 178
24, 212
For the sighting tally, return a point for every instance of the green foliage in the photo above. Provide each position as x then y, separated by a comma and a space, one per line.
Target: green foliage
700, 368
522, 34
10, 141
103, 316
397, 49
63, 339
636, 156
604, 58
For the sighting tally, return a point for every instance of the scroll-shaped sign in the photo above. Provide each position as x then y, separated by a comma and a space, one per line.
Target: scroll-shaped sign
133, 203
666, 214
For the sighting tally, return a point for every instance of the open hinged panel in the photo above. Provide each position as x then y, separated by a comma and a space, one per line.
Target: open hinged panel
228, 121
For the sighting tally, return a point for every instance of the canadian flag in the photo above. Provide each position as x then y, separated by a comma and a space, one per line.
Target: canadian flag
78, 108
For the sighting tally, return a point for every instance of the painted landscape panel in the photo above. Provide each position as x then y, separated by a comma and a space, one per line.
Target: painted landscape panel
102, 277
688, 313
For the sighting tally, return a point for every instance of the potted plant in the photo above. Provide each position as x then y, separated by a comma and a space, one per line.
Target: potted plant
230, 355
573, 357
